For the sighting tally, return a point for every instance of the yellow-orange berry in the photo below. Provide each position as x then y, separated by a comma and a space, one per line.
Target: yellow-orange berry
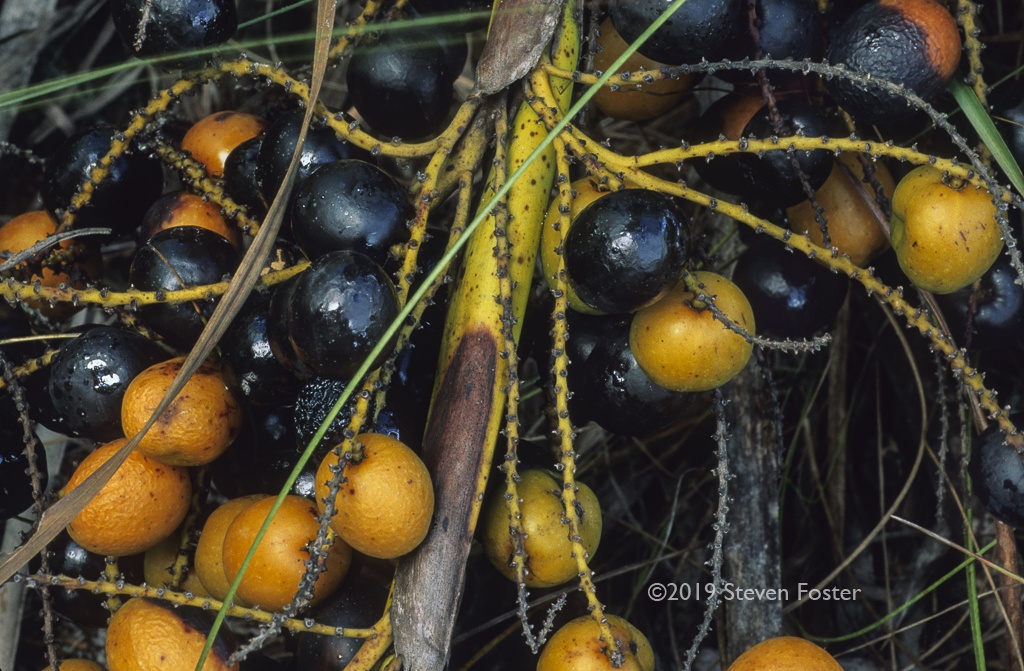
680, 344
142, 503
200, 423
149, 635
273, 576
577, 646
785, 653
385, 505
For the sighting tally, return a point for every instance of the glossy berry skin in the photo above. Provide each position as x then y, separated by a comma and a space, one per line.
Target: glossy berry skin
278, 311
699, 28
609, 386
134, 182
90, 374
996, 318
790, 300
321, 147
914, 43
350, 205
625, 249
997, 474
181, 257
401, 84
15, 484
338, 312
266, 452
772, 178
175, 26
240, 175
251, 370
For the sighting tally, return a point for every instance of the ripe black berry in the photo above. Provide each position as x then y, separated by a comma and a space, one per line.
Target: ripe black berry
350, 205
251, 369
913, 43
174, 27
401, 84
609, 386
321, 147
179, 258
120, 201
790, 299
997, 474
625, 250
90, 374
699, 28
338, 312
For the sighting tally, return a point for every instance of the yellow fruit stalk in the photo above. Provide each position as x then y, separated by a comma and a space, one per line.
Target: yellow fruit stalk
468, 408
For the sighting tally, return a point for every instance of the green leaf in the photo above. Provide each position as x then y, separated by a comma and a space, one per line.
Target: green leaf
982, 123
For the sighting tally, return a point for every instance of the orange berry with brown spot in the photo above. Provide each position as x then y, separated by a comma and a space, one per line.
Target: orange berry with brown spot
150, 635
24, 231
212, 138
142, 503
273, 576
200, 423
385, 505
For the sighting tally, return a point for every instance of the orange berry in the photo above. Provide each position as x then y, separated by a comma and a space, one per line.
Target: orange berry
25, 230
200, 423
209, 562
852, 226
944, 232
149, 635
549, 554
634, 102
682, 347
385, 505
181, 208
212, 138
577, 646
785, 653
586, 192
273, 576
77, 665
142, 503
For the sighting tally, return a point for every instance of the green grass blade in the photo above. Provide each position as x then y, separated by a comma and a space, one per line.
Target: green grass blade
986, 130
